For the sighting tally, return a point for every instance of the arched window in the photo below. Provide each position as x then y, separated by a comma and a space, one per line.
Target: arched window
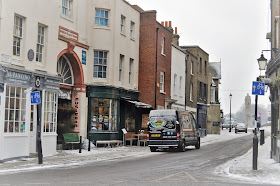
64, 70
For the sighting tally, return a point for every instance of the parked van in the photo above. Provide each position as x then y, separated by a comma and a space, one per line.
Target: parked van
172, 129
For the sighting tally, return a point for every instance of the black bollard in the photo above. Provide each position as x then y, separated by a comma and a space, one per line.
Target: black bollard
262, 137
88, 143
255, 151
80, 148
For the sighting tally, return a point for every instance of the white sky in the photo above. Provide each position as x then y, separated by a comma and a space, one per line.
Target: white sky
233, 31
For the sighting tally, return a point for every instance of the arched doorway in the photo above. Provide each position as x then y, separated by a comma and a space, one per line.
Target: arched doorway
71, 86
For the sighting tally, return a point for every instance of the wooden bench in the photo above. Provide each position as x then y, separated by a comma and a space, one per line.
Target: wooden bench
109, 142
71, 138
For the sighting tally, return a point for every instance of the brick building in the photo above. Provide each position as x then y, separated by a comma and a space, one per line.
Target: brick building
154, 61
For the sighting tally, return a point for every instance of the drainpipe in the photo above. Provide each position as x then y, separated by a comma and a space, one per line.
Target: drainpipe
186, 77
156, 67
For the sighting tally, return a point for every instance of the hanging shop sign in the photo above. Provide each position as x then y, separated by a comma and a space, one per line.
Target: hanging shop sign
69, 34
64, 94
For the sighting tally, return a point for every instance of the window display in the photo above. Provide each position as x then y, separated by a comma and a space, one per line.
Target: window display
15, 109
103, 114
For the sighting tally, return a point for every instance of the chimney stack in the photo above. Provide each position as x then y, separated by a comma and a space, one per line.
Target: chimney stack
175, 37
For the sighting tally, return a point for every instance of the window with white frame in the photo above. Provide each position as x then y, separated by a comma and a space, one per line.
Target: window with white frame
40, 43
67, 8
180, 86
161, 83
101, 17
121, 67
132, 28
191, 92
131, 61
174, 83
122, 24
15, 110
100, 64
212, 95
191, 67
162, 45
50, 112
18, 35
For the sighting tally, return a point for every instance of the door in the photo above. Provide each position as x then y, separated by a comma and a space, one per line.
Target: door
33, 129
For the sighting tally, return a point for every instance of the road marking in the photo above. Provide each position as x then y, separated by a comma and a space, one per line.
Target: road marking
36, 183
192, 178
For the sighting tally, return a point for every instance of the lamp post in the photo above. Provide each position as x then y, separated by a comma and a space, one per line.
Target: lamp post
262, 66
230, 98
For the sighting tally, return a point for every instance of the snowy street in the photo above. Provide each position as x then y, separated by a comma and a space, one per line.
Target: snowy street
220, 161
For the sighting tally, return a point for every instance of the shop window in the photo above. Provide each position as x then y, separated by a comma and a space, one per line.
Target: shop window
50, 112
103, 114
15, 110
129, 118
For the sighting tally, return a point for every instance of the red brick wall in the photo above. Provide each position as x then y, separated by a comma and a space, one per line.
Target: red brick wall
147, 59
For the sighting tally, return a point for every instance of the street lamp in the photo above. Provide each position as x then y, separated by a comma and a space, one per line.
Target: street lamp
262, 62
230, 98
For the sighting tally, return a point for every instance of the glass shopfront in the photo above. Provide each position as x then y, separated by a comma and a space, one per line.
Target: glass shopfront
103, 114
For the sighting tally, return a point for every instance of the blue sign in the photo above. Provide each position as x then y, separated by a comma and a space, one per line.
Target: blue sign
84, 57
35, 97
258, 88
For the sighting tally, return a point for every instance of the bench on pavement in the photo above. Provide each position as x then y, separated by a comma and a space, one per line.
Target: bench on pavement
71, 138
109, 142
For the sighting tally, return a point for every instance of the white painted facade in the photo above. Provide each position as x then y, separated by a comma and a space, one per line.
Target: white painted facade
178, 70
89, 38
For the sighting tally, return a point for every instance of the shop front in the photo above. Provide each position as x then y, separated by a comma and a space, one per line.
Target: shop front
18, 117
110, 109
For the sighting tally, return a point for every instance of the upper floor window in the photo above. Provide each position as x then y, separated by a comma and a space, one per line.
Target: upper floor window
67, 8
191, 92
200, 65
18, 36
40, 43
205, 91
174, 83
132, 28
180, 86
131, 61
101, 17
162, 45
212, 95
122, 24
161, 83
121, 67
191, 67
205, 67
100, 64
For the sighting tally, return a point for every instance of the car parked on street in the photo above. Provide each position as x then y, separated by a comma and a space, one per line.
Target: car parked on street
240, 127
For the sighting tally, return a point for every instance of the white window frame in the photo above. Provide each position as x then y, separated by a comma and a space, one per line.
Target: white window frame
162, 45
161, 83
122, 24
212, 95
174, 83
130, 78
121, 67
191, 92
132, 29
18, 35
101, 17
40, 43
191, 67
50, 112
100, 62
180, 86
15, 106
66, 8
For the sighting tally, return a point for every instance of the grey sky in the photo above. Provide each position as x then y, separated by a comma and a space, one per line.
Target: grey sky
233, 31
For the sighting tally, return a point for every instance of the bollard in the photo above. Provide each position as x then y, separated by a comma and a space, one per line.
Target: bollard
255, 151
262, 137
80, 146
88, 143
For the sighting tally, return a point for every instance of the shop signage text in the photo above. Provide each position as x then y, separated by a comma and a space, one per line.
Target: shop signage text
17, 75
67, 33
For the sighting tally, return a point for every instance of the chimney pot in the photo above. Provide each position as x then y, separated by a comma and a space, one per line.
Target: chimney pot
166, 23
170, 25
162, 23
175, 30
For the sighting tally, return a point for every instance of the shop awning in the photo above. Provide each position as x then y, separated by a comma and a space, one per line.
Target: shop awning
139, 104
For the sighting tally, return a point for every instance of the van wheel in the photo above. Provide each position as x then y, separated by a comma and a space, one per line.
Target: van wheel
182, 148
197, 146
153, 149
